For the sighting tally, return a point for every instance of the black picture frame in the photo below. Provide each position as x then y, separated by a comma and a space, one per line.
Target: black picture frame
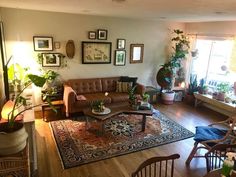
120, 58
102, 34
96, 52
121, 43
92, 34
43, 43
51, 59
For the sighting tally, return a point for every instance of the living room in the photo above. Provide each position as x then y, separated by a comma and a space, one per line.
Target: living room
23, 22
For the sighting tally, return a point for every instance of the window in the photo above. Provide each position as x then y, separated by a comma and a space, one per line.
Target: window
216, 61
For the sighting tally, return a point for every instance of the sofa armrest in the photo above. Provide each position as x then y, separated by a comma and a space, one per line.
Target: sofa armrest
140, 89
69, 98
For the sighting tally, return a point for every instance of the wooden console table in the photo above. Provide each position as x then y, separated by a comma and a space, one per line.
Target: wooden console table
228, 109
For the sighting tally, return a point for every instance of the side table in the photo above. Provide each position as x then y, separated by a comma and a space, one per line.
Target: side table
59, 104
15, 164
153, 93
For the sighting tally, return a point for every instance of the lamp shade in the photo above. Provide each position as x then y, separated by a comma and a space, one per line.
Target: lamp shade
7, 108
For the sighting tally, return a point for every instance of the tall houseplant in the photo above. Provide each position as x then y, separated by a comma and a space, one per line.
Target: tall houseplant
165, 75
12, 133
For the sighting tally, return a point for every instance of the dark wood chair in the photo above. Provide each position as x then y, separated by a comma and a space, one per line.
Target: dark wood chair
217, 154
208, 136
157, 167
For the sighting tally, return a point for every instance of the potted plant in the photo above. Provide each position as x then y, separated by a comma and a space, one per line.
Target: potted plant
222, 89
192, 87
133, 100
12, 133
202, 88
145, 97
165, 75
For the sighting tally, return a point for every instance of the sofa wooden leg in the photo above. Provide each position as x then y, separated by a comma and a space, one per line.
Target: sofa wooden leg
192, 153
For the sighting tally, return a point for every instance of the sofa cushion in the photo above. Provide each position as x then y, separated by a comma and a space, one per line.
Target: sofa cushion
129, 79
123, 86
118, 97
93, 97
109, 84
82, 86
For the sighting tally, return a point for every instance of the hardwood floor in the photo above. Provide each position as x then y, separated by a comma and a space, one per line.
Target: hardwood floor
49, 163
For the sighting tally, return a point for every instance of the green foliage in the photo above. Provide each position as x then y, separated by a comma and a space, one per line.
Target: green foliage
145, 97
21, 100
132, 96
193, 85
181, 48
51, 75
16, 74
223, 87
97, 105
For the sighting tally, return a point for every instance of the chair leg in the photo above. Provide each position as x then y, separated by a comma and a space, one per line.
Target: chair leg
192, 153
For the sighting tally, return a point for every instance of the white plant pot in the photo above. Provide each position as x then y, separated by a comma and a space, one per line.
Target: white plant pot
13, 142
167, 96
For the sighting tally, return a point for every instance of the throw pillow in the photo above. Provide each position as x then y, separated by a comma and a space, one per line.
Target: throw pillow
123, 86
129, 79
81, 98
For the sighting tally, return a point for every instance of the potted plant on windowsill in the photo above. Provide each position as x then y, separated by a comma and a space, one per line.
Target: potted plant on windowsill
166, 74
13, 135
222, 89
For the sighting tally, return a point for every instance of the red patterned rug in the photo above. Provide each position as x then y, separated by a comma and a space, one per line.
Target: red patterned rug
80, 143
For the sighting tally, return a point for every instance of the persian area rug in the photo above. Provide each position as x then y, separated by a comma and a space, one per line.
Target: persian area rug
79, 143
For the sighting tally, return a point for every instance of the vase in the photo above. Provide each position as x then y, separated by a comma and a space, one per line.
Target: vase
167, 96
14, 141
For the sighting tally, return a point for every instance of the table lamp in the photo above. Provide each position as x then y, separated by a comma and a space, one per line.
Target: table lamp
7, 108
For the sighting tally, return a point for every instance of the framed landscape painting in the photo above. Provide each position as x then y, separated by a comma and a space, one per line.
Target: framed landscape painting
43, 43
96, 52
120, 57
51, 59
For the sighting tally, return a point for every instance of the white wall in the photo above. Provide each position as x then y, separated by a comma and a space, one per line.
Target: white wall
227, 28
22, 25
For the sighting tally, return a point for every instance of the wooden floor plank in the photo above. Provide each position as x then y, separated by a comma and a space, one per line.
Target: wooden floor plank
49, 164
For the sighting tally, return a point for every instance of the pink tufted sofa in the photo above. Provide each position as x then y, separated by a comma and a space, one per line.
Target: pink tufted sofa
79, 93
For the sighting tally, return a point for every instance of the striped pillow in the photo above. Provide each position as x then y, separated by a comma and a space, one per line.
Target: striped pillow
123, 86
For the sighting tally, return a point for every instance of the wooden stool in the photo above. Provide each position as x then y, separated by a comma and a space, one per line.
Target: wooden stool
56, 104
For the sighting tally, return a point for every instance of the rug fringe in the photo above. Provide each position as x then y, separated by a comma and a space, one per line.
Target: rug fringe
53, 137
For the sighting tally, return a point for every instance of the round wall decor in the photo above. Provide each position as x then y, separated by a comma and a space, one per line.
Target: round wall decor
70, 49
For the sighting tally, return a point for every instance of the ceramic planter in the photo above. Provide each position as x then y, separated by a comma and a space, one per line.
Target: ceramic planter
13, 142
167, 97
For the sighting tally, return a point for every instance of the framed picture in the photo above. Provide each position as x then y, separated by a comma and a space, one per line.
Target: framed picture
120, 57
136, 53
51, 59
96, 52
43, 43
102, 34
92, 35
120, 43
57, 45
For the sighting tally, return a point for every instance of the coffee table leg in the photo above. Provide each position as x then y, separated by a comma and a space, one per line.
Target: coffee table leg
102, 128
144, 123
87, 123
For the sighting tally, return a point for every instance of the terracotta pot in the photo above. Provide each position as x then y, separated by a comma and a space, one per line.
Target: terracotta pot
189, 99
12, 142
221, 96
167, 97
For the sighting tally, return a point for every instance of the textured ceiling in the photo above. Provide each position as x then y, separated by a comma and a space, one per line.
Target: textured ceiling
168, 10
